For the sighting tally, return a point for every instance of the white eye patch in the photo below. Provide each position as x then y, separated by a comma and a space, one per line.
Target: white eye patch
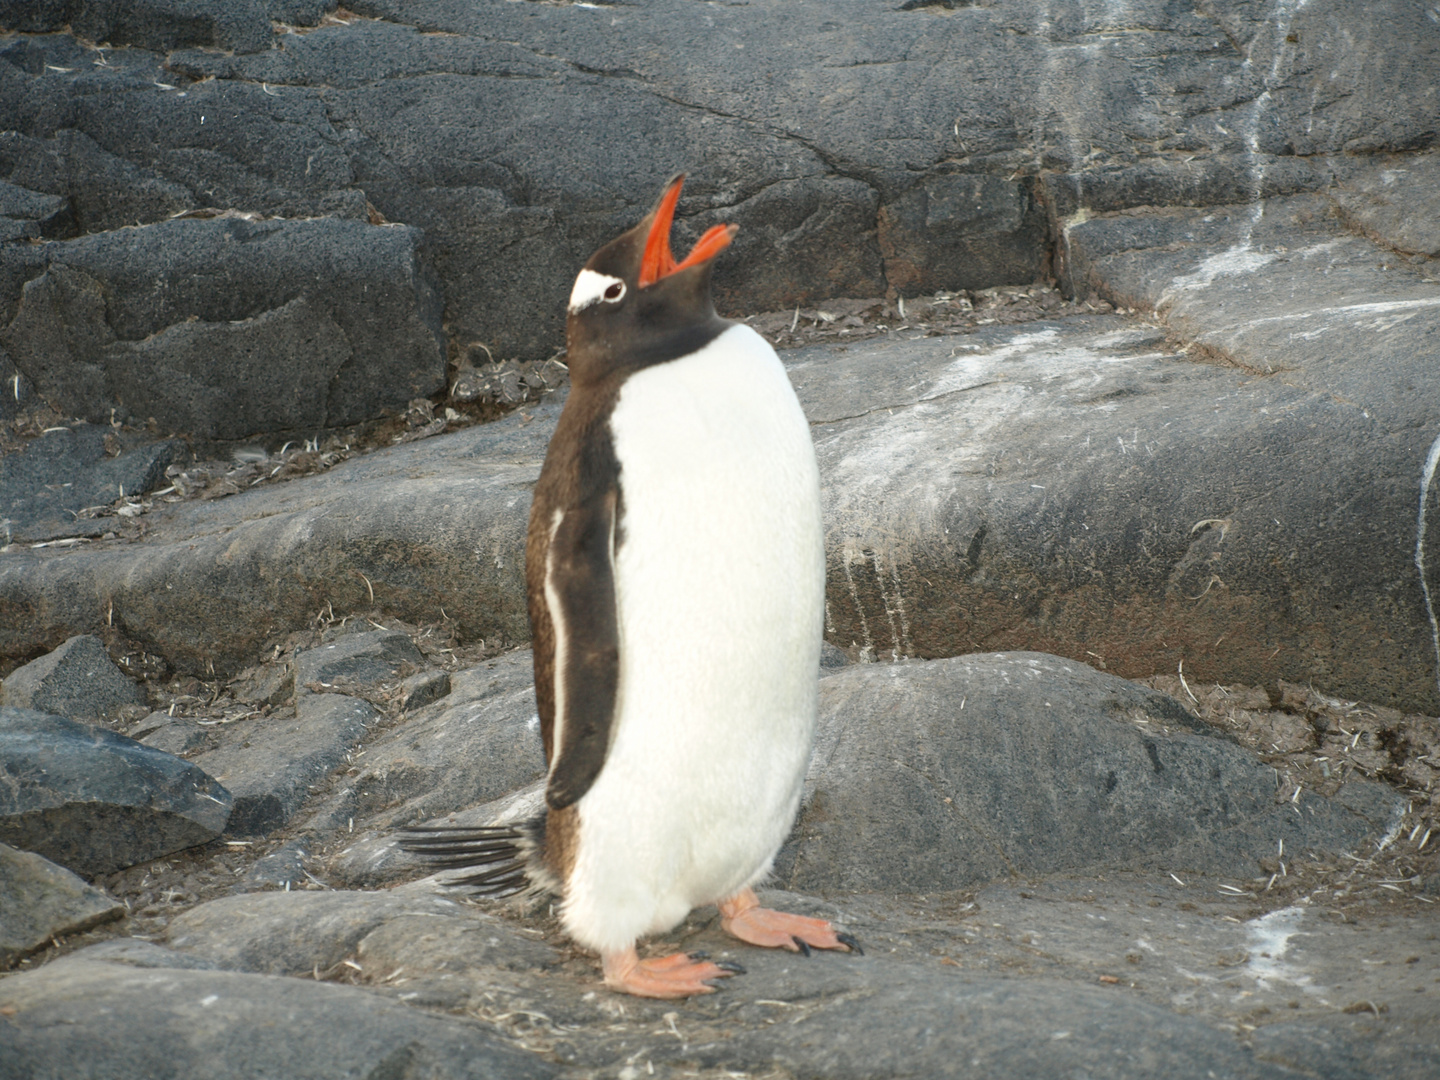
592, 288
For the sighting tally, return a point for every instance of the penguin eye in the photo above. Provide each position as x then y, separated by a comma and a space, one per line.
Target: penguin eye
592, 288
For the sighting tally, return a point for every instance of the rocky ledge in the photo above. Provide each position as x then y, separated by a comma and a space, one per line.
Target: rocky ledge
1117, 330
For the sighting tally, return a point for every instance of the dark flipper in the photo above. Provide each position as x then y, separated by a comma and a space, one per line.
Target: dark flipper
504, 859
580, 596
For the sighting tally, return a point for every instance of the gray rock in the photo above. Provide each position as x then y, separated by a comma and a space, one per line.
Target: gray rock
476, 744
177, 735
96, 802
106, 191
77, 680
281, 869
78, 1017
1127, 977
423, 689
45, 215
258, 326
839, 136
437, 526
164, 24
272, 766
1129, 531
357, 663
40, 901
1394, 199
297, 933
268, 684
1105, 550
948, 773
1122, 975
47, 483
831, 657
1320, 344
136, 952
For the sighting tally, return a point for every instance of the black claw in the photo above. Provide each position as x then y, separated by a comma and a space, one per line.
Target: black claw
848, 940
698, 954
801, 944
730, 966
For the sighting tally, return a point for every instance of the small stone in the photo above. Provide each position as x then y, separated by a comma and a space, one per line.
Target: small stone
77, 680
423, 689
268, 684
178, 735
354, 663
40, 901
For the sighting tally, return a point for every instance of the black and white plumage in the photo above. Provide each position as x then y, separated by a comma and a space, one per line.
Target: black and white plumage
675, 576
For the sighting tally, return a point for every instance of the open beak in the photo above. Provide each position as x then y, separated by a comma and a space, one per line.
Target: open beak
657, 261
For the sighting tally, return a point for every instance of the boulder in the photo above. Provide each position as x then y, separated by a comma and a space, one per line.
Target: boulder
96, 802
77, 680
900, 147
40, 902
274, 764
127, 1022
226, 328
945, 774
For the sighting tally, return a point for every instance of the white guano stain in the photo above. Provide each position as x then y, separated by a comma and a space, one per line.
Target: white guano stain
1427, 478
1268, 940
893, 477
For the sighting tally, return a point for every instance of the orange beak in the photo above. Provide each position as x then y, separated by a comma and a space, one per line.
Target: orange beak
658, 262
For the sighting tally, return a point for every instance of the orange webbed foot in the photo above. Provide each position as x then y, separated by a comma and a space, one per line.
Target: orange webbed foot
676, 976
744, 918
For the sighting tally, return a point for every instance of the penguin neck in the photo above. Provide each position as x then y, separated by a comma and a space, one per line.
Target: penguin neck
596, 361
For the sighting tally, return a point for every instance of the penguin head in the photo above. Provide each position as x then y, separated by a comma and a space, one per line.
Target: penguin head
633, 304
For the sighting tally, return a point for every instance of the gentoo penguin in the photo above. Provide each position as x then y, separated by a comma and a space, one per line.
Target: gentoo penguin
675, 571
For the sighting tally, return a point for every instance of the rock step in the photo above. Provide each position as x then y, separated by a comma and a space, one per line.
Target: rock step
94, 801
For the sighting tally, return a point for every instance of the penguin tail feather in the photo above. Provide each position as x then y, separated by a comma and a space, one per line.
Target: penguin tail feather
493, 860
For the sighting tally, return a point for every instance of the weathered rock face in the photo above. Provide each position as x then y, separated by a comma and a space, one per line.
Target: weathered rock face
948, 773
204, 1023
1219, 518
94, 801
1088, 489
436, 527
1128, 978
228, 328
935, 145
296, 933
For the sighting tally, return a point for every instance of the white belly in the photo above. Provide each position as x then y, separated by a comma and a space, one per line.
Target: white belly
720, 587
